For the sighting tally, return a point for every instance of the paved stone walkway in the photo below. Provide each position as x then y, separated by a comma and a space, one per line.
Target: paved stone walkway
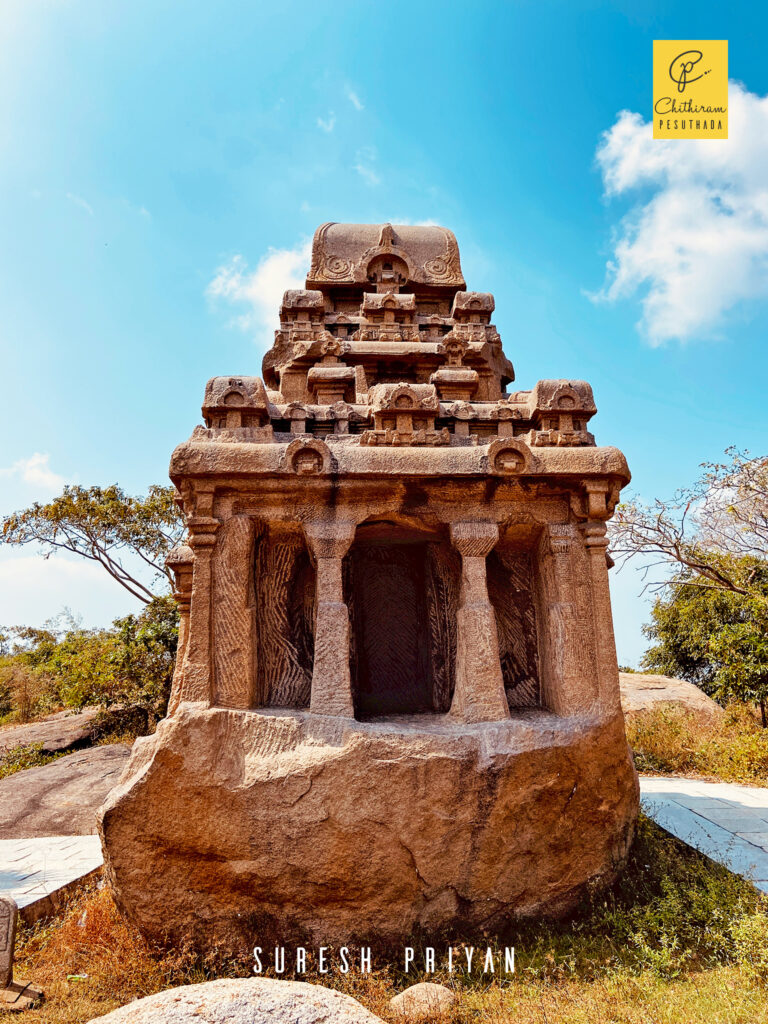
34, 871
725, 821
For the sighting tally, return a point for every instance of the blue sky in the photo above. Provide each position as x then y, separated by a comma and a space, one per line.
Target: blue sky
164, 164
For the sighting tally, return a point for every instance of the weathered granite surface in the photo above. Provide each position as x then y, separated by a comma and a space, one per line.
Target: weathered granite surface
57, 732
244, 1001
426, 999
60, 798
15, 995
644, 692
9, 914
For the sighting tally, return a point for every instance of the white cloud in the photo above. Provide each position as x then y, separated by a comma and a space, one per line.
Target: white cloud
354, 99
369, 176
365, 158
328, 123
34, 589
262, 289
35, 472
82, 203
134, 208
697, 247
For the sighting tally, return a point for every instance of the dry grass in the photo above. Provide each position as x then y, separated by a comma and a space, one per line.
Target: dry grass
670, 740
678, 939
116, 965
89, 960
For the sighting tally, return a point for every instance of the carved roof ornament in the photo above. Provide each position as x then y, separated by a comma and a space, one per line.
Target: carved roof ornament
473, 306
455, 349
385, 238
563, 394
332, 349
462, 411
509, 456
343, 253
307, 456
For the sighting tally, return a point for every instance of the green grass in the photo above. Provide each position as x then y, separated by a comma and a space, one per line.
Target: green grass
28, 756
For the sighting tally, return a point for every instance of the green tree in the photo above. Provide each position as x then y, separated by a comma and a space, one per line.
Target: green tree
713, 637
106, 526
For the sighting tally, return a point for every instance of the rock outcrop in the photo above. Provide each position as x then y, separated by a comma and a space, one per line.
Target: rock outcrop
641, 693
234, 827
56, 733
60, 798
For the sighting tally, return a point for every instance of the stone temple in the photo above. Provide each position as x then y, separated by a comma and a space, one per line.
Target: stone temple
396, 701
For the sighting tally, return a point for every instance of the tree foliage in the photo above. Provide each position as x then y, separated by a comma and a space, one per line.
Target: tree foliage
106, 526
127, 668
682, 623
714, 638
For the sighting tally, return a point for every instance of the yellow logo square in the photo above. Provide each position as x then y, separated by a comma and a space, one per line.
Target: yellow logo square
690, 88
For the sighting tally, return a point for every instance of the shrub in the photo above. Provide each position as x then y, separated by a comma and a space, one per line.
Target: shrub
29, 756
671, 740
126, 670
750, 940
26, 693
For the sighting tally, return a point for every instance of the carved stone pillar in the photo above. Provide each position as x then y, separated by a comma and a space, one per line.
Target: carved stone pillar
570, 688
181, 561
233, 614
197, 671
596, 543
331, 682
479, 693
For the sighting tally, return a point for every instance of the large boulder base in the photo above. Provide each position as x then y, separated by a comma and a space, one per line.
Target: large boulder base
234, 827
244, 1001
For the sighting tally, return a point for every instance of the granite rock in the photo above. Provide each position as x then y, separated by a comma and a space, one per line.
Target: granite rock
60, 798
56, 733
642, 692
423, 1000
244, 1001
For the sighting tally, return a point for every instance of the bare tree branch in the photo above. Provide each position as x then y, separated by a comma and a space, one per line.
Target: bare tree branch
104, 525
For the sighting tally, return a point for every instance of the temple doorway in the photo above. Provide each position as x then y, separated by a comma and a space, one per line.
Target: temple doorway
402, 588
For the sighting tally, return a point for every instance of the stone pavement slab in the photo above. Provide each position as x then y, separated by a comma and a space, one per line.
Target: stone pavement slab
723, 820
61, 798
35, 871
